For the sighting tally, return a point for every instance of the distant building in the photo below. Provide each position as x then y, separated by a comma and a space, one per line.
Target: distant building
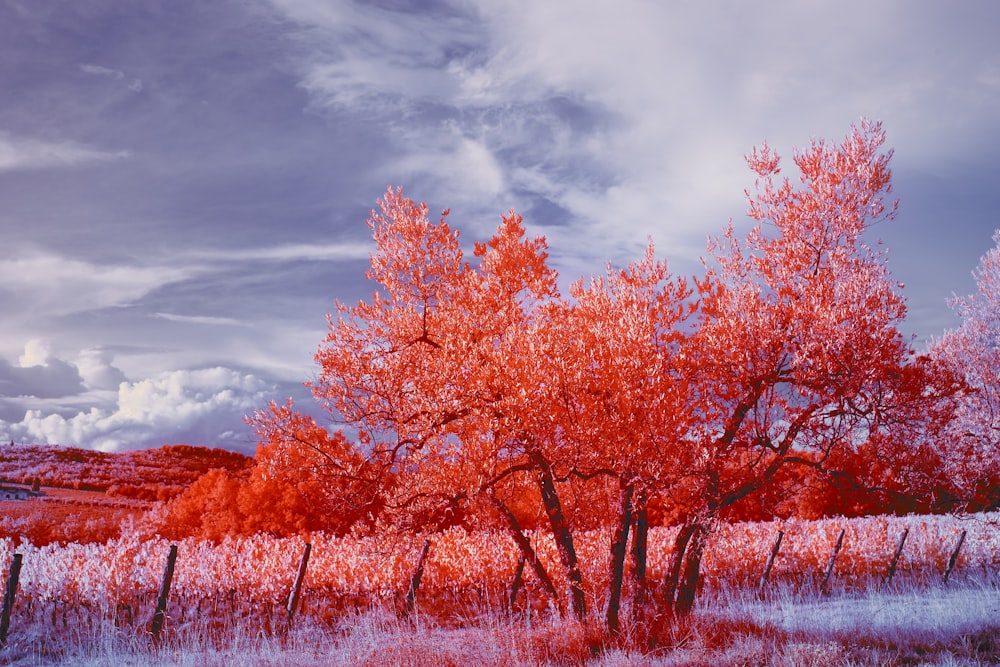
16, 493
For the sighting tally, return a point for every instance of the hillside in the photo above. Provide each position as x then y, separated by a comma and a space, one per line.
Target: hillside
149, 474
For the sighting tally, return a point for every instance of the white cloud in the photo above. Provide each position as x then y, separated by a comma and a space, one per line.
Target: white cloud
36, 353
203, 406
96, 369
676, 94
18, 153
290, 253
465, 170
47, 284
203, 319
102, 71
39, 374
135, 84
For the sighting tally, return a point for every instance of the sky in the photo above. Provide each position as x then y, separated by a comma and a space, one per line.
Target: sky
184, 184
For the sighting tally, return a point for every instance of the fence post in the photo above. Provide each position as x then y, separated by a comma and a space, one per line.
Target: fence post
833, 559
8, 598
954, 557
770, 562
895, 558
418, 572
161, 601
293, 598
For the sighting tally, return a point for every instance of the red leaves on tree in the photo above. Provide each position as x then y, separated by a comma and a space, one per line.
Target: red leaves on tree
465, 381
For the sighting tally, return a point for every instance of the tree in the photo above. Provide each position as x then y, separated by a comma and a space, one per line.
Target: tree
430, 373
973, 351
798, 333
467, 383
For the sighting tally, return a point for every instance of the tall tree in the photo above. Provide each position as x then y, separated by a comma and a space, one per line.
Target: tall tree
798, 330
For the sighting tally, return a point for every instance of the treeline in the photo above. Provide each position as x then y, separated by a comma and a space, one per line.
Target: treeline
221, 503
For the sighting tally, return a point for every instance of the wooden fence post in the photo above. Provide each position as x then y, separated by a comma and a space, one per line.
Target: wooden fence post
8, 598
833, 559
161, 601
293, 598
770, 563
954, 557
895, 558
418, 572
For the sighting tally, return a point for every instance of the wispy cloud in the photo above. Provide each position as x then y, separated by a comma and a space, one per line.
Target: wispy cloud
20, 153
46, 284
632, 117
203, 319
102, 71
288, 253
134, 84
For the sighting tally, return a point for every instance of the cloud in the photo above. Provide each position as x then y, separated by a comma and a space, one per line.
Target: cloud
39, 375
102, 71
135, 85
204, 406
97, 371
467, 170
633, 117
48, 284
36, 353
203, 319
294, 252
19, 154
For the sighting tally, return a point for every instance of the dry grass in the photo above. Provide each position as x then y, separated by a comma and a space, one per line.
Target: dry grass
916, 623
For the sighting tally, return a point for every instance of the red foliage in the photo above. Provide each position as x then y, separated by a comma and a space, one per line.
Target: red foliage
776, 383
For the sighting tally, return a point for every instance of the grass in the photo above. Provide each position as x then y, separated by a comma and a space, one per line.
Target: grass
916, 622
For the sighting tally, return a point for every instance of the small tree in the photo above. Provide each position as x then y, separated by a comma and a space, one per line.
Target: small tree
973, 351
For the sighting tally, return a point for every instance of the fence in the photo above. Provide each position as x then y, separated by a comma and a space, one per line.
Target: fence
267, 577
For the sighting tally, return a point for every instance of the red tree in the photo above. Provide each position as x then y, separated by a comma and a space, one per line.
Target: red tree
798, 332
464, 383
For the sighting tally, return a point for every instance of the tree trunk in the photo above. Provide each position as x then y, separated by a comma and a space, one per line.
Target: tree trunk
524, 544
418, 573
618, 547
640, 538
687, 582
515, 586
676, 561
562, 534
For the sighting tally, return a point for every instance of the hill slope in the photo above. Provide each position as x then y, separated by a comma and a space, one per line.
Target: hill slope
149, 474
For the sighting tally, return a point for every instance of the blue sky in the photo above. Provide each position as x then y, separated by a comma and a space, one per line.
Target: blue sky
184, 184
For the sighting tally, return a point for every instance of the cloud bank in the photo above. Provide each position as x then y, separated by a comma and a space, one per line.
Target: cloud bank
203, 406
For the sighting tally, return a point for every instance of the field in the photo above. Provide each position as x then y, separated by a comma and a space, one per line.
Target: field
91, 604
67, 515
